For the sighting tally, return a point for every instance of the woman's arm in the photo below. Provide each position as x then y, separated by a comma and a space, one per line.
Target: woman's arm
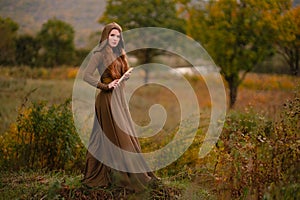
88, 75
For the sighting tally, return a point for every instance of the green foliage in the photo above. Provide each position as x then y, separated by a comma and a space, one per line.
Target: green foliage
288, 38
43, 137
137, 14
258, 156
57, 41
27, 50
8, 33
53, 45
237, 34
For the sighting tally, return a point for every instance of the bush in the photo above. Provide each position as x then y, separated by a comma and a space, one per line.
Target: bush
42, 137
258, 156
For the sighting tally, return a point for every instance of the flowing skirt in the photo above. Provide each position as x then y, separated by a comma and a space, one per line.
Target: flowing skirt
113, 136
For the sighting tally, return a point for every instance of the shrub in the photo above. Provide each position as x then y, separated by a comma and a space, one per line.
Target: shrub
258, 156
42, 137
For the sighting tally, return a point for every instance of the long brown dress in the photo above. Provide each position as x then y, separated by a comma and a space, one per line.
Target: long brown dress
112, 122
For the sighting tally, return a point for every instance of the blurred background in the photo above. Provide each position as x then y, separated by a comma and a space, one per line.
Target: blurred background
255, 44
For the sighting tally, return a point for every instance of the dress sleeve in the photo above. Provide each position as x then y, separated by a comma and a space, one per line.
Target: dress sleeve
88, 75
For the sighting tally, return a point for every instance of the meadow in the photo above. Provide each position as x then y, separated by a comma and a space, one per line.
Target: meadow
263, 93
256, 157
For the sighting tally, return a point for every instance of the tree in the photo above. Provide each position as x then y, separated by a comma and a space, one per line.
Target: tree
57, 41
137, 14
237, 34
288, 40
27, 49
8, 34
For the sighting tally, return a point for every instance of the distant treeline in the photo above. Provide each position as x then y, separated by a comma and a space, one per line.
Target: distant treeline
52, 46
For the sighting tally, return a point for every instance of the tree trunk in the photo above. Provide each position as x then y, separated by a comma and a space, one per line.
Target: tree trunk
291, 56
233, 82
146, 78
233, 95
147, 59
296, 68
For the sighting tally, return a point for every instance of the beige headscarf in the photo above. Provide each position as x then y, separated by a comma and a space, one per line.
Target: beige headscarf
110, 54
105, 33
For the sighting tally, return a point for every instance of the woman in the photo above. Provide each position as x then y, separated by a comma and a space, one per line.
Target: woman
113, 126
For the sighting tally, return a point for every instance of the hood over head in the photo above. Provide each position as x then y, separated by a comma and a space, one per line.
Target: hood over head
104, 37
109, 54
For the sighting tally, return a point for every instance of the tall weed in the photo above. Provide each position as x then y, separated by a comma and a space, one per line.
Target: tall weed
257, 156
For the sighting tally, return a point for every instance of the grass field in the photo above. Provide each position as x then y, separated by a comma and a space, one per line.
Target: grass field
260, 92
187, 178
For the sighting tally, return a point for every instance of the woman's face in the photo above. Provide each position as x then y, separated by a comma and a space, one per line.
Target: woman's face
114, 38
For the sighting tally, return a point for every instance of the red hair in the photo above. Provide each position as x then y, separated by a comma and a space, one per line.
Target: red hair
113, 69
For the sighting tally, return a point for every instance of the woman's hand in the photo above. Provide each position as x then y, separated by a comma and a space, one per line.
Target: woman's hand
113, 84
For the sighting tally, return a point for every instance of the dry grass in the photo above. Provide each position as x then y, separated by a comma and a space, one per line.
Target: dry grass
266, 93
259, 92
